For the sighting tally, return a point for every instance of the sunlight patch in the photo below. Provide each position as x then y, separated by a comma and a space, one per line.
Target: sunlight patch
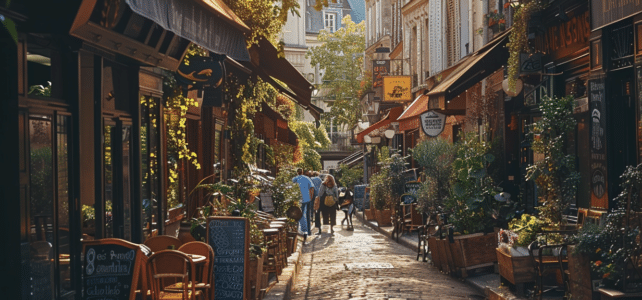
351, 266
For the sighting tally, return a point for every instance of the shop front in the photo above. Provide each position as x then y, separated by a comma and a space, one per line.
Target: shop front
614, 96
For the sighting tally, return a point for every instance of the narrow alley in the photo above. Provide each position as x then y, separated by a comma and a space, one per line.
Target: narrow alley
363, 264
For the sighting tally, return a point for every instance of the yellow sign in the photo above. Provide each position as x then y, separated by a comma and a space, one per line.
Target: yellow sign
397, 88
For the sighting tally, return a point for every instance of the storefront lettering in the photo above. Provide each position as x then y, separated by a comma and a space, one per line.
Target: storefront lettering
608, 11
574, 32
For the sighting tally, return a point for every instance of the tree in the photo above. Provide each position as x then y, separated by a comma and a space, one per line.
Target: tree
341, 56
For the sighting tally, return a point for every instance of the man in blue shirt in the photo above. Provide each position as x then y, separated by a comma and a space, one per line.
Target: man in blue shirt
307, 194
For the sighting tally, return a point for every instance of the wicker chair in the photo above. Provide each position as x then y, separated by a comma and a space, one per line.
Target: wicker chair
162, 242
168, 267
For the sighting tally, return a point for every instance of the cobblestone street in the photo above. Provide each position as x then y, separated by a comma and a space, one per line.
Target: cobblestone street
363, 264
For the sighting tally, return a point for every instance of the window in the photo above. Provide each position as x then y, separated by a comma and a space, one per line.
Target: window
330, 22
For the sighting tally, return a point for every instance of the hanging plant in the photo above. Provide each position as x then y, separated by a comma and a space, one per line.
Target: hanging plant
518, 39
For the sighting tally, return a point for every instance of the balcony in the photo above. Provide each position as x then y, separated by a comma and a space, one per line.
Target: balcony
341, 141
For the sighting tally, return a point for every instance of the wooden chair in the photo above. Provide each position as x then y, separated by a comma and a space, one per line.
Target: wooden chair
272, 264
545, 263
169, 267
412, 218
204, 271
162, 242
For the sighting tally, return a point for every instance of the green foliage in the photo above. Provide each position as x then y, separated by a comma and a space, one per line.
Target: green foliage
311, 160
386, 186
472, 195
527, 227
341, 56
285, 193
436, 157
40, 90
264, 17
349, 177
518, 38
555, 175
309, 137
10, 26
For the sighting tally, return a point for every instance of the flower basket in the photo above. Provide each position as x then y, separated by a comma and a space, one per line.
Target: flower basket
383, 217
515, 269
473, 251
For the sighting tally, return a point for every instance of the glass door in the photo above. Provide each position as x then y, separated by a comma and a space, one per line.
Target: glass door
117, 178
52, 249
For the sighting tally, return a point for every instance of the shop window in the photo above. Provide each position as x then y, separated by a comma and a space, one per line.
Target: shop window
150, 164
43, 68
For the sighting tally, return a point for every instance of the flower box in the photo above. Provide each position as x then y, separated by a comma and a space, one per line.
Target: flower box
472, 251
579, 275
369, 213
383, 217
515, 269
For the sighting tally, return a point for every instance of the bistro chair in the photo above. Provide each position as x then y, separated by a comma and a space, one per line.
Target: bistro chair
549, 258
204, 271
165, 269
163, 242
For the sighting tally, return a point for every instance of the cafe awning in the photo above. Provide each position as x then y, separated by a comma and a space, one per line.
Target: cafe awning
470, 71
409, 119
207, 23
392, 116
266, 58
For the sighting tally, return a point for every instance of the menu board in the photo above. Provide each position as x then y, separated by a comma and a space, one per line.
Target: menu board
359, 194
229, 237
267, 205
412, 187
110, 269
597, 132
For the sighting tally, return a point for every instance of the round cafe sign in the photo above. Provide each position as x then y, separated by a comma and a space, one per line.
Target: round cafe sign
432, 123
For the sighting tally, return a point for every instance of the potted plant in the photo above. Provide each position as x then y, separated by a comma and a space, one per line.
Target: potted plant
496, 21
386, 187
436, 157
515, 263
472, 205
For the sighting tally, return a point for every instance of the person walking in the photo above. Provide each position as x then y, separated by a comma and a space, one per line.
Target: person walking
316, 180
307, 194
329, 199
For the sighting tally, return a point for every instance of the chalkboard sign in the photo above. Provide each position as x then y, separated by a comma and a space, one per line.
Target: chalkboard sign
111, 269
359, 194
230, 239
407, 198
412, 187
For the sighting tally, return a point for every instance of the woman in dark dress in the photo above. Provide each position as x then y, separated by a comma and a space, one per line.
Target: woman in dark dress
329, 188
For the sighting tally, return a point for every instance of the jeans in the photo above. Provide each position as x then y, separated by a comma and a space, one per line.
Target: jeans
307, 215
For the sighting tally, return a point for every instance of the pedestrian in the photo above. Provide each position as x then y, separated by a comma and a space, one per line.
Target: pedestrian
307, 194
327, 206
316, 180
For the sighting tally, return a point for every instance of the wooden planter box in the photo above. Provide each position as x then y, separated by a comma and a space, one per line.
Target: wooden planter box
473, 251
370, 214
292, 242
515, 269
383, 217
579, 277
255, 273
434, 252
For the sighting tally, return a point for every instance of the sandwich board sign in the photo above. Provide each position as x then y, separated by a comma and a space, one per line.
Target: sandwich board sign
432, 123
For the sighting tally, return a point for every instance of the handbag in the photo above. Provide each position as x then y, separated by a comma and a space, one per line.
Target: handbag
317, 203
329, 201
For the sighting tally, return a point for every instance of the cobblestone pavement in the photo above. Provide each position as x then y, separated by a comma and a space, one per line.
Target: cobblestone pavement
363, 264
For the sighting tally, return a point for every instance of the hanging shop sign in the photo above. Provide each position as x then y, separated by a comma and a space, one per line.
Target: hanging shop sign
201, 71
432, 123
605, 12
597, 132
566, 38
397, 88
380, 68
530, 63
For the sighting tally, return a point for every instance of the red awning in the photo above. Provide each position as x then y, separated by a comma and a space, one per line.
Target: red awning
416, 108
392, 116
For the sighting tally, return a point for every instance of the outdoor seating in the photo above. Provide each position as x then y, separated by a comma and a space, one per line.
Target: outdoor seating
203, 271
412, 218
168, 267
424, 232
272, 263
162, 242
549, 257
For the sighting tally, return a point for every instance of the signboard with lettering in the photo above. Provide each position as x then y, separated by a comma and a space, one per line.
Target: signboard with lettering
408, 199
530, 63
397, 88
111, 269
380, 68
267, 205
359, 195
605, 12
412, 187
432, 123
566, 38
230, 239
597, 133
